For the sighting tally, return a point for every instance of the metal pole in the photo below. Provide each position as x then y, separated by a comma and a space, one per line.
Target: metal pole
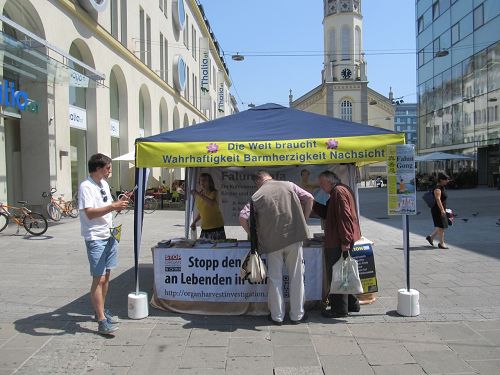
406, 247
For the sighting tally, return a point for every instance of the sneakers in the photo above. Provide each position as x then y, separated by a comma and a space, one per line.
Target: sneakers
106, 328
109, 317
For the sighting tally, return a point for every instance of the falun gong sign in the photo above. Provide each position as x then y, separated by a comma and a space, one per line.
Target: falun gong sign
401, 184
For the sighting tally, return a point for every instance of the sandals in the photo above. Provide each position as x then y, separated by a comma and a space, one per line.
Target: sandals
442, 246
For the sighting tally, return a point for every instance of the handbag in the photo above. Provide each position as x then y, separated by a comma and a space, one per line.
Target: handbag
429, 198
450, 216
345, 277
253, 267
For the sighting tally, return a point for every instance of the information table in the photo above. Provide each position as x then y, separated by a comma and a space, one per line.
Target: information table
207, 281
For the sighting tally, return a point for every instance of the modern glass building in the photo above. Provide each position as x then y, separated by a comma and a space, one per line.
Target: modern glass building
458, 78
405, 120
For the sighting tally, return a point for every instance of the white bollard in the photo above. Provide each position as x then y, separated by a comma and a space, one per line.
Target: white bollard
408, 302
138, 305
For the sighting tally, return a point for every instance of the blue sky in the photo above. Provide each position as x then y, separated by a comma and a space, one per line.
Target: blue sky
267, 30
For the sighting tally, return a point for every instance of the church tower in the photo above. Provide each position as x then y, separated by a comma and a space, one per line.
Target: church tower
344, 71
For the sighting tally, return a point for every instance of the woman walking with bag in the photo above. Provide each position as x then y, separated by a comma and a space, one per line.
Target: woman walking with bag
438, 211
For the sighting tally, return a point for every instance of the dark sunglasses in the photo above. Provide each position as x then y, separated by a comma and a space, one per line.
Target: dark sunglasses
104, 196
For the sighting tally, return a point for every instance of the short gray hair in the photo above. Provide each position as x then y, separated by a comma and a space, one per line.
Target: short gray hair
330, 176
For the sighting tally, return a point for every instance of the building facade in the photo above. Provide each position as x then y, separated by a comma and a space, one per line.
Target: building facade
87, 76
405, 121
344, 91
458, 78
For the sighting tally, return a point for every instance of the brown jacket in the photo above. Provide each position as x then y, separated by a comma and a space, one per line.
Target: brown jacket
341, 218
279, 216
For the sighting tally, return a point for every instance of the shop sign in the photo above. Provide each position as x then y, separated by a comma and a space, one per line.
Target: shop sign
9, 97
77, 117
204, 74
114, 128
220, 94
78, 79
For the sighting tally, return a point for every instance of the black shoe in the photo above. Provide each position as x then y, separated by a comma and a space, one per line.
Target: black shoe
275, 322
333, 314
301, 320
354, 308
429, 239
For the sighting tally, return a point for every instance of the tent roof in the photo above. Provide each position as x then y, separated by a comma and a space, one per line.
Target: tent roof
267, 122
435, 156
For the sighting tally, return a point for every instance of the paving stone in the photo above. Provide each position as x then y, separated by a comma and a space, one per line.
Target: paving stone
13, 358
345, 364
441, 362
198, 371
334, 345
486, 367
290, 337
199, 357
409, 369
312, 370
386, 354
250, 347
485, 325
454, 331
294, 356
130, 336
249, 366
475, 350
203, 337
118, 355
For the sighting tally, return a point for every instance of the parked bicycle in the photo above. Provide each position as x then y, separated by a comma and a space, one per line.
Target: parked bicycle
58, 207
150, 202
33, 222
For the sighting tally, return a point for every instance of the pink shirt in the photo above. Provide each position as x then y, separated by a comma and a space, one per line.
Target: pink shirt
302, 194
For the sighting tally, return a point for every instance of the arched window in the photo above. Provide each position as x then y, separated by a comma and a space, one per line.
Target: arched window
357, 44
332, 45
346, 43
346, 110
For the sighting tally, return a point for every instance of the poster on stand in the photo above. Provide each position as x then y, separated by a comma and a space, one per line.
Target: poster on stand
401, 186
363, 253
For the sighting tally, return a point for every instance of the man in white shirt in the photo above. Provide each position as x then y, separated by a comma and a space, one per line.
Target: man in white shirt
96, 206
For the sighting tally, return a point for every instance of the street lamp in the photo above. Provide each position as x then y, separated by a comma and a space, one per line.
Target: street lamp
238, 57
442, 53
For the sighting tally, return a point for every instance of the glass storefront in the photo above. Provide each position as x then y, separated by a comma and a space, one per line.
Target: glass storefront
459, 91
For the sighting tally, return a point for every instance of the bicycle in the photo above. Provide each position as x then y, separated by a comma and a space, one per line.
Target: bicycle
33, 222
58, 207
150, 202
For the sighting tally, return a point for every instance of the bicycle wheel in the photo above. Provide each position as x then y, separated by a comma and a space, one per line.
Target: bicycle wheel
73, 209
4, 220
150, 205
54, 212
35, 223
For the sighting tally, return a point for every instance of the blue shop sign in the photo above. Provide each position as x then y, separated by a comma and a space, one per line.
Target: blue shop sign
9, 97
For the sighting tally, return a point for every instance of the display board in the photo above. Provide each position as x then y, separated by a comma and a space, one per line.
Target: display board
236, 186
401, 186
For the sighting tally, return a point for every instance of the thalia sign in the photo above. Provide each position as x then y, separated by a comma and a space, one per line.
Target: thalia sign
9, 97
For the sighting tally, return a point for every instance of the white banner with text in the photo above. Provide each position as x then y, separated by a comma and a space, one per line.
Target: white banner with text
213, 275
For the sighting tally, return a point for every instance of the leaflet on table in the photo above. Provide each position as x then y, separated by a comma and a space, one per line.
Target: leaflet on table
214, 276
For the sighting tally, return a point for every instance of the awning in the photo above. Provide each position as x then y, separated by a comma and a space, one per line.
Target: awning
435, 156
28, 57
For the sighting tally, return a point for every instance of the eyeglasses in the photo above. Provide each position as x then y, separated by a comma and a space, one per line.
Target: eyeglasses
104, 196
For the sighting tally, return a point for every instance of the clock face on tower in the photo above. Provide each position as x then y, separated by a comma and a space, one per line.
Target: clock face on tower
346, 73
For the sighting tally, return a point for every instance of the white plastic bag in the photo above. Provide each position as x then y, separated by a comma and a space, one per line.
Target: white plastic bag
345, 277
253, 268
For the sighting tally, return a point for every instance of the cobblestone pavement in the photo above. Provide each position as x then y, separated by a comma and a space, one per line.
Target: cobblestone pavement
46, 322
